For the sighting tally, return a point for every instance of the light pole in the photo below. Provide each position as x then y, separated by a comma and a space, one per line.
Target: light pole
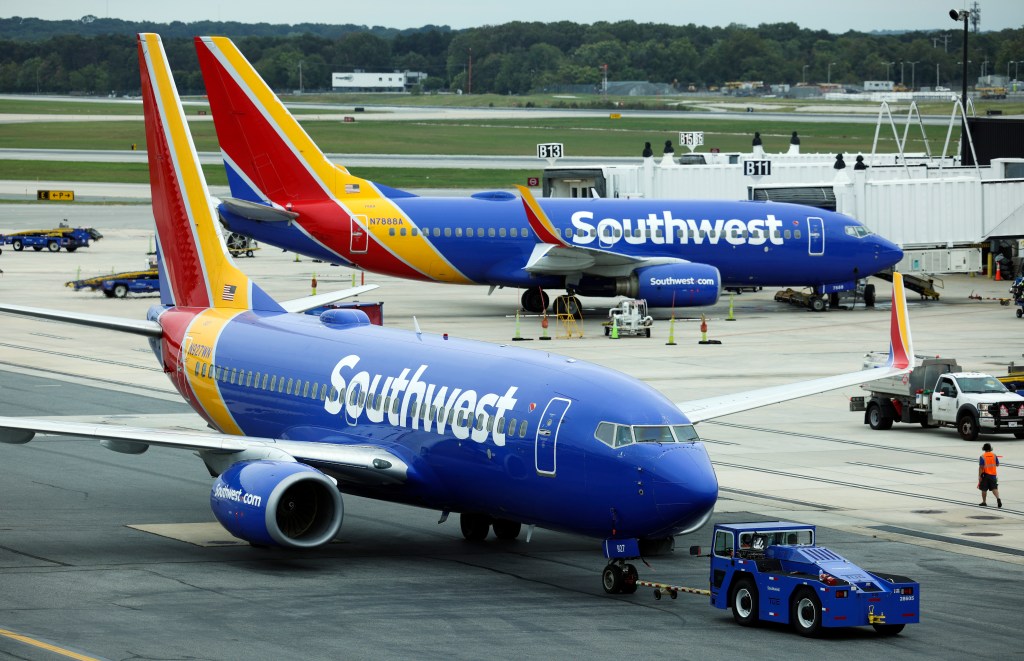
830, 72
804, 77
901, 71
913, 70
984, 67
887, 65
963, 15
1016, 74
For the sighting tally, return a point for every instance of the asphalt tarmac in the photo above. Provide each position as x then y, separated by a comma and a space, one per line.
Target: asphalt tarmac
116, 556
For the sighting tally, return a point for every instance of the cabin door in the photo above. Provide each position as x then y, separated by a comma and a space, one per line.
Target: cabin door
547, 435
815, 236
359, 238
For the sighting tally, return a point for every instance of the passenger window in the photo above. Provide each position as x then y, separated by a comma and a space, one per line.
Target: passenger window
469, 231
361, 398
480, 231
490, 232
415, 231
234, 373
280, 385
401, 231
323, 392
447, 232
394, 406
786, 234
515, 231
204, 370
512, 427
288, 388
273, 383
522, 430
500, 425
305, 389
333, 394
197, 369
502, 231
796, 234
437, 231
458, 231
391, 231
248, 379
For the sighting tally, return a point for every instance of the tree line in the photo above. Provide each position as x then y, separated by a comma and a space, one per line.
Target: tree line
98, 56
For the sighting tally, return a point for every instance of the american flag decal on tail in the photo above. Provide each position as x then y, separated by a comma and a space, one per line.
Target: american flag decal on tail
229, 293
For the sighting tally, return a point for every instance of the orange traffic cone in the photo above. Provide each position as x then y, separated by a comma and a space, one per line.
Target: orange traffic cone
999, 273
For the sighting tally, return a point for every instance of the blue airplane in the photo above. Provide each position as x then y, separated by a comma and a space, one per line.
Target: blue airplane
505, 437
673, 253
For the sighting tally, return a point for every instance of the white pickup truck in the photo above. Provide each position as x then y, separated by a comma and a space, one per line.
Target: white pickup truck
937, 394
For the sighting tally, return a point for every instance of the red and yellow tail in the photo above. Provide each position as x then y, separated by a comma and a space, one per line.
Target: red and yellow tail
196, 270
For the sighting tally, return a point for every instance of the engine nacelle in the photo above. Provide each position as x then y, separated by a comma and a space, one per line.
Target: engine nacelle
277, 503
679, 285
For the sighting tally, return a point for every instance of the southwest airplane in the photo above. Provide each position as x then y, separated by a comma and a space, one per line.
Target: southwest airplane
504, 436
673, 253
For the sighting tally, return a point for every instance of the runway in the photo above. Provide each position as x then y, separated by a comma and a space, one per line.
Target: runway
75, 573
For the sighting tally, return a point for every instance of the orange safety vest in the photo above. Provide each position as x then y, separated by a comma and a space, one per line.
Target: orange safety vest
990, 462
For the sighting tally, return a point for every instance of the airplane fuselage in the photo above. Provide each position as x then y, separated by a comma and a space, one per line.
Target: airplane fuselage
486, 239
503, 431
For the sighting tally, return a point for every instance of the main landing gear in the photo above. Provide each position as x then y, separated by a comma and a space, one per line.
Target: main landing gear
536, 301
476, 527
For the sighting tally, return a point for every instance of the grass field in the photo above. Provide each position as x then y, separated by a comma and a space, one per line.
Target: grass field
595, 137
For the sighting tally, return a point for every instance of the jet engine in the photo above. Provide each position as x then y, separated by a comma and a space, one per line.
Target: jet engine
665, 285
277, 503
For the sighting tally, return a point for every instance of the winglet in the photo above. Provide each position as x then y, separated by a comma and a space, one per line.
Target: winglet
901, 347
539, 221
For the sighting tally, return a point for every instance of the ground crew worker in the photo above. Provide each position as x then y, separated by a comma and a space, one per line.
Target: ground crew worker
987, 481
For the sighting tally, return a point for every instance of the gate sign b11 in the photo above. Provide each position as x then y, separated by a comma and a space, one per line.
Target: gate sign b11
550, 150
757, 168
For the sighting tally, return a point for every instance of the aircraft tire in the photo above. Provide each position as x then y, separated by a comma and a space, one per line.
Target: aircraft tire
869, 296
535, 300
475, 527
612, 579
629, 579
505, 529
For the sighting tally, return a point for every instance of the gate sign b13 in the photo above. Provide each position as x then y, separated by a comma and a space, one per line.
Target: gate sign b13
550, 150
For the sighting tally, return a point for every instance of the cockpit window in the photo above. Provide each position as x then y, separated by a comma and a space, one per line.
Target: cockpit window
617, 436
858, 231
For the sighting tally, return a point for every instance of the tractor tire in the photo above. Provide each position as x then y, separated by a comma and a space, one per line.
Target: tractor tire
967, 426
877, 418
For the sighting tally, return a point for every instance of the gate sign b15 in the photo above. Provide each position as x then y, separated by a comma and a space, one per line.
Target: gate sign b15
550, 150
691, 138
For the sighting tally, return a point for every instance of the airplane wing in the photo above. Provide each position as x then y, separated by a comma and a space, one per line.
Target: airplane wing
310, 302
555, 256
900, 361
359, 463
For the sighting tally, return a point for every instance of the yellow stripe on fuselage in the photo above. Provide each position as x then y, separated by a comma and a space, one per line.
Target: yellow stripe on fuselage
220, 271
201, 339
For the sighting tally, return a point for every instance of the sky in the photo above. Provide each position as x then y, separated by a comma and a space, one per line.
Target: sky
836, 16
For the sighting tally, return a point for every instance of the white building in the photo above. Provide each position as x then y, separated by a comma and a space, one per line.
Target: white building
361, 81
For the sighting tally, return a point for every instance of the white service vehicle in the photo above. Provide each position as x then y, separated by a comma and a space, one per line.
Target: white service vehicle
629, 317
937, 394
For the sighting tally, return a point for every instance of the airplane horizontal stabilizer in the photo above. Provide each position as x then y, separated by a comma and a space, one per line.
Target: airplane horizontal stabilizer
901, 348
261, 212
136, 326
310, 302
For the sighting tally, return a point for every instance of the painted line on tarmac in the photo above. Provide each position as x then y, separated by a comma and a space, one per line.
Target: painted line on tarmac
949, 540
864, 487
926, 453
791, 501
21, 638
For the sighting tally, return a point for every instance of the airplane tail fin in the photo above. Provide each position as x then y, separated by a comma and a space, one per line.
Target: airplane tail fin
195, 269
269, 157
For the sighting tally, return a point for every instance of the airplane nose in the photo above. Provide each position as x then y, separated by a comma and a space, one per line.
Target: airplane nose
887, 253
685, 487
